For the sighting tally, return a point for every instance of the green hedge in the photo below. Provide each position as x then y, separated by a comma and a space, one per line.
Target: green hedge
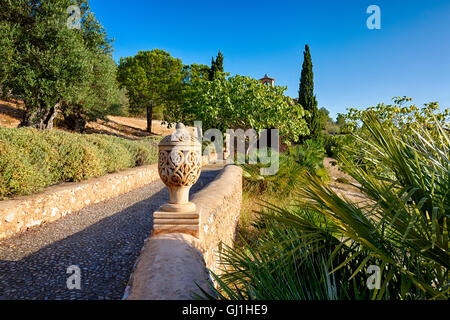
31, 160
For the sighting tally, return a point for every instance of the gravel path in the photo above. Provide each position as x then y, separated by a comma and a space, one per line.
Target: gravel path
103, 240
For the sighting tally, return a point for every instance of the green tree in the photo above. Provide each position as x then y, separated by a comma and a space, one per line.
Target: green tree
7, 52
99, 95
101, 90
195, 71
340, 120
153, 79
324, 118
402, 116
231, 104
216, 70
306, 97
51, 67
49, 61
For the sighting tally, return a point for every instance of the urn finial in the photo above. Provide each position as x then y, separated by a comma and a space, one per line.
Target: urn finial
179, 166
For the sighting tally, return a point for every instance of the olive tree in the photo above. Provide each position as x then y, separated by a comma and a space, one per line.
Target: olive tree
51, 67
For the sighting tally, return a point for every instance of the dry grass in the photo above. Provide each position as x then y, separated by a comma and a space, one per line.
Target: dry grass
11, 113
340, 182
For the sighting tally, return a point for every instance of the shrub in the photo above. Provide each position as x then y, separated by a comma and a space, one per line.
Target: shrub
281, 264
292, 165
310, 155
402, 117
402, 228
144, 152
18, 175
281, 184
39, 153
31, 159
114, 155
329, 144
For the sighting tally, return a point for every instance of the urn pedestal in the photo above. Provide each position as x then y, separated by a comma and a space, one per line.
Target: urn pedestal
179, 167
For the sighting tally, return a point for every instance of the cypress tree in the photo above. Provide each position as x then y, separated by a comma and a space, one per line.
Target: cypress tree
212, 70
306, 97
216, 67
219, 62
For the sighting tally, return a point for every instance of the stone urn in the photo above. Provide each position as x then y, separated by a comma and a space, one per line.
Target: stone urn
179, 166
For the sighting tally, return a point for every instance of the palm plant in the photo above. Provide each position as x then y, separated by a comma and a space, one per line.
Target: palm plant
404, 225
275, 267
402, 228
282, 184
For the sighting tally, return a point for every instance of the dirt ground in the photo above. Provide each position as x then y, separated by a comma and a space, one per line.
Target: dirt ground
11, 114
340, 182
127, 127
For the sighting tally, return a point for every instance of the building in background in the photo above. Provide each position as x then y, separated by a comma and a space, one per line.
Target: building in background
267, 80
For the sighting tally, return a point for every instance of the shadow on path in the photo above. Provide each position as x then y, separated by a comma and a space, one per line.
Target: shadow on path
105, 250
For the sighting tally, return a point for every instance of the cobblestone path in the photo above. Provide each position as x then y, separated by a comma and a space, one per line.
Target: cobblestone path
103, 240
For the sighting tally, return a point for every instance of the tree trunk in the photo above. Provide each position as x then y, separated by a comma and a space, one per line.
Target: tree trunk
48, 122
40, 118
149, 117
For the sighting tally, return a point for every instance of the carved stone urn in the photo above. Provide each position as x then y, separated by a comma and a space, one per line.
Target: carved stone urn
179, 166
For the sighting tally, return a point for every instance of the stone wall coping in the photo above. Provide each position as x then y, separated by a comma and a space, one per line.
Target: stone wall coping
221, 187
20, 213
23, 212
67, 186
170, 264
168, 268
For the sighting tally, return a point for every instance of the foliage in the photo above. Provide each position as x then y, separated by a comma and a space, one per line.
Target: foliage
216, 71
265, 269
195, 72
310, 154
231, 104
101, 95
401, 117
306, 97
31, 160
153, 79
402, 228
404, 225
327, 124
121, 107
282, 264
53, 68
282, 184
292, 165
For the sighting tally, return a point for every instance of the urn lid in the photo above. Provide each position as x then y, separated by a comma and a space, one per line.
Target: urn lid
181, 137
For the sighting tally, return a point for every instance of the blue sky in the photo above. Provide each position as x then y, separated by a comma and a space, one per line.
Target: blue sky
353, 66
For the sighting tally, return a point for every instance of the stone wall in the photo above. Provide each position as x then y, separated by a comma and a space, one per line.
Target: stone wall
219, 205
171, 266
21, 213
